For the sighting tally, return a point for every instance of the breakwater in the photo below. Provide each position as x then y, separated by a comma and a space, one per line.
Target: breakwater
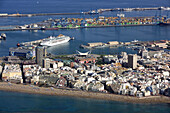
38, 14
133, 9
97, 11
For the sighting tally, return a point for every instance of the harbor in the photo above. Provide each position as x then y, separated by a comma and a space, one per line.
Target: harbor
134, 9
119, 60
97, 11
75, 23
121, 75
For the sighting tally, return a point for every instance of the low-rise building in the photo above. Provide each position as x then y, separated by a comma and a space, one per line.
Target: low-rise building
12, 72
95, 44
113, 42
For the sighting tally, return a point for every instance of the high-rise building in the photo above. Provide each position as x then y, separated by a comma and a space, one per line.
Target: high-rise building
39, 55
45, 52
46, 63
132, 61
143, 53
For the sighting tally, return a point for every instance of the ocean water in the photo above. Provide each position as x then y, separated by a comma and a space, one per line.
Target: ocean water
30, 103
26, 103
84, 36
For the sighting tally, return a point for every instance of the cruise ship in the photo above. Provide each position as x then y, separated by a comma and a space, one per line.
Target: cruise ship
52, 41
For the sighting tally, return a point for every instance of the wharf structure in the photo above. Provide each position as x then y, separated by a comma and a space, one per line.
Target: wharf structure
101, 21
96, 45
97, 11
133, 9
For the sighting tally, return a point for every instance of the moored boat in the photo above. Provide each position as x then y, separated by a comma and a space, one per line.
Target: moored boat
49, 28
52, 41
3, 36
163, 23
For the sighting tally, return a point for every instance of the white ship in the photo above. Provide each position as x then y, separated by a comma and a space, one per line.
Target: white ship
52, 41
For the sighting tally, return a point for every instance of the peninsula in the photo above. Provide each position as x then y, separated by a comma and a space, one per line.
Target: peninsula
140, 78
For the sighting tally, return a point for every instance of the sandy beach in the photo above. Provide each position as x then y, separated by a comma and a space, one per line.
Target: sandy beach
83, 94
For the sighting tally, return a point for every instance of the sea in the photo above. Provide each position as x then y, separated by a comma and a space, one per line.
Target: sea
30, 103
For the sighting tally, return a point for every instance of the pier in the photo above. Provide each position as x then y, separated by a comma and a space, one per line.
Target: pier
101, 21
17, 29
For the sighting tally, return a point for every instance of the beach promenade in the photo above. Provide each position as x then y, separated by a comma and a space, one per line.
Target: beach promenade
4, 86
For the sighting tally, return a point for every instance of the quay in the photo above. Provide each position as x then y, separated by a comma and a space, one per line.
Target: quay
97, 45
17, 29
101, 21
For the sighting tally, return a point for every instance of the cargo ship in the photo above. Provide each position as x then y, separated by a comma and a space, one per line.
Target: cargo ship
163, 23
3, 36
52, 41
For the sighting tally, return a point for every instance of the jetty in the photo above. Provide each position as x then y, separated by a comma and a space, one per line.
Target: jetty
97, 45
133, 9
97, 11
38, 14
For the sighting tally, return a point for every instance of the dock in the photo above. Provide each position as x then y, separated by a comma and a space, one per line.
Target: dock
98, 45
29, 29
101, 21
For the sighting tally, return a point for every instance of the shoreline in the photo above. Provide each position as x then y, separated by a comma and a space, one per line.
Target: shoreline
103, 26
82, 94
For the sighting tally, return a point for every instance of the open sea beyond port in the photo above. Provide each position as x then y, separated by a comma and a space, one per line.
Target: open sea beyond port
24, 103
60, 104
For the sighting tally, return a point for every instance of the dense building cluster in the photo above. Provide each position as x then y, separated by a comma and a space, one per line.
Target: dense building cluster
144, 74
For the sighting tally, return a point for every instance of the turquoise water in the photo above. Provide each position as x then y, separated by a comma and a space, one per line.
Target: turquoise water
30, 103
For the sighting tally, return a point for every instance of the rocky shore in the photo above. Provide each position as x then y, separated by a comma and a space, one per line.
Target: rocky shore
83, 94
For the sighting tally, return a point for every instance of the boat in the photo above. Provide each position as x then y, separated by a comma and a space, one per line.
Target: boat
134, 41
3, 36
52, 40
163, 23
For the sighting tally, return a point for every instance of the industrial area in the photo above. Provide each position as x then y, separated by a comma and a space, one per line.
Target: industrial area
93, 22
101, 21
